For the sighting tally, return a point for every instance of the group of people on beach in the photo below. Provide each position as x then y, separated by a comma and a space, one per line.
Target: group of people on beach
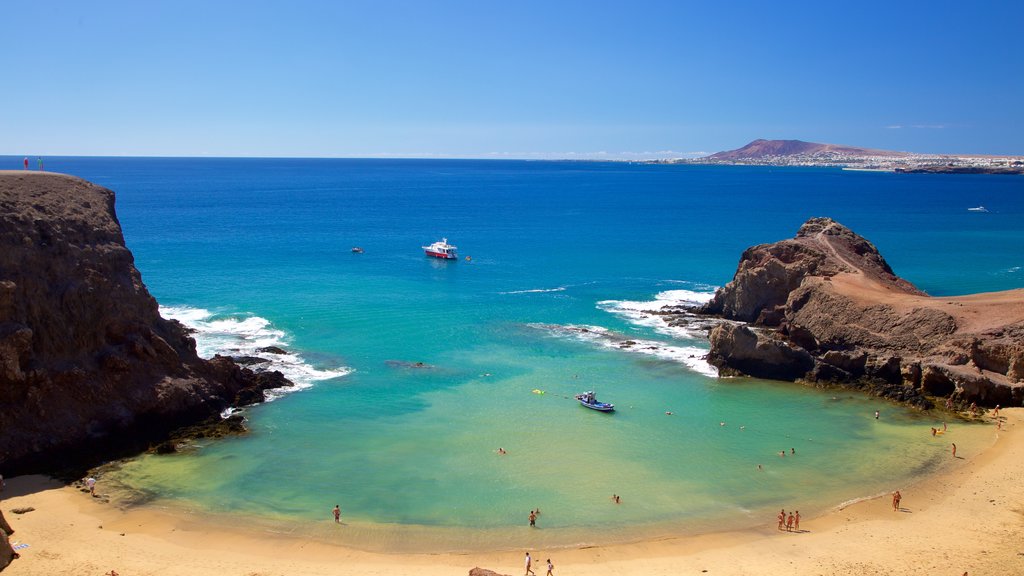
790, 523
529, 566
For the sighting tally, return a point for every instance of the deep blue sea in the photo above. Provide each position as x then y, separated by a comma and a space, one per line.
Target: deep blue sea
413, 371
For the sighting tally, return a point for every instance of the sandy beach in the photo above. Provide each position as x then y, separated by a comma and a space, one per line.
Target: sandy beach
966, 519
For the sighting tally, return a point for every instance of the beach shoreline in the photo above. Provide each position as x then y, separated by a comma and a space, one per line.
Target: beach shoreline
964, 518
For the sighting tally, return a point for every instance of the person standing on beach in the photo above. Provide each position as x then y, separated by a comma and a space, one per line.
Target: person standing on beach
337, 514
896, 497
796, 521
789, 523
954, 449
550, 568
782, 518
533, 519
90, 482
529, 566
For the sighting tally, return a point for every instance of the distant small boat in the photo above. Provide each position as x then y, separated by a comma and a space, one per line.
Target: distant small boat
978, 209
357, 250
589, 400
442, 250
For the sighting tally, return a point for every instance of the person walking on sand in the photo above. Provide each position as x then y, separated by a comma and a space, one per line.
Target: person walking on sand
529, 566
550, 568
533, 519
337, 514
90, 483
954, 449
896, 497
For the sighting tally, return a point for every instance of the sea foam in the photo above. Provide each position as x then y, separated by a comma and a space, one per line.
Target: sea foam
246, 335
690, 356
651, 313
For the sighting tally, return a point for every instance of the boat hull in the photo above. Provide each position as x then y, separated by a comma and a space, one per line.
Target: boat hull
599, 406
441, 255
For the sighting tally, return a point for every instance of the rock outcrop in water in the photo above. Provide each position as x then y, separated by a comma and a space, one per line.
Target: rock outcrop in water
88, 368
826, 307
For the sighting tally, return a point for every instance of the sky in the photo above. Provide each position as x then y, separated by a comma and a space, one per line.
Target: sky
506, 79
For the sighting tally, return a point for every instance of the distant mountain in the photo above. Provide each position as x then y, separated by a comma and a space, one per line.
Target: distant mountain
760, 149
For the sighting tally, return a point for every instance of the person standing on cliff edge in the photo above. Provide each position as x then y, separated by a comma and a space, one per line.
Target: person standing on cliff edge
40, 160
26, 162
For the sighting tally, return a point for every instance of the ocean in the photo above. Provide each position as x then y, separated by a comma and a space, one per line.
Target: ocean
411, 372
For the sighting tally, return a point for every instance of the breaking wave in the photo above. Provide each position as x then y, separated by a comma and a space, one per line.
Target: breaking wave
691, 356
254, 342
653, 313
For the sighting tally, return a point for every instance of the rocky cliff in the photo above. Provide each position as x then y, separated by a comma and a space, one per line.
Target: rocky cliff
88, 367
826, 307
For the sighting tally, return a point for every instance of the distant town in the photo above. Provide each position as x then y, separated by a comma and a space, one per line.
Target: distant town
800, 153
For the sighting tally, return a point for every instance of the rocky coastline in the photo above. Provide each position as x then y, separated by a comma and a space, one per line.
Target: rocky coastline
825, 308
89, 371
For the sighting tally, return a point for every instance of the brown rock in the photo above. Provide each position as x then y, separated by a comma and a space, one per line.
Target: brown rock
844, 316
6, 551
484, 572
88, 368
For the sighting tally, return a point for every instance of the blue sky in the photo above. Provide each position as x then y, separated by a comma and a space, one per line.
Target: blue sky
510, 79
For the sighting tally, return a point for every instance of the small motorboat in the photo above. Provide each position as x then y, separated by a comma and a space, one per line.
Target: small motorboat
589, 400
978, 209
357, 250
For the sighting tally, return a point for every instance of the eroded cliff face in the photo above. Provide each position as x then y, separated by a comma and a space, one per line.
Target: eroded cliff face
826, 307
87, 365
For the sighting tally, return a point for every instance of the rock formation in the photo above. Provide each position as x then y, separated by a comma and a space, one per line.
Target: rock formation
826, 307
7, 553
88, 367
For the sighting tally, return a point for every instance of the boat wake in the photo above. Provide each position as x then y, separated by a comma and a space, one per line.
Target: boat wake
690, 356
253, 342
666, 314
536, 290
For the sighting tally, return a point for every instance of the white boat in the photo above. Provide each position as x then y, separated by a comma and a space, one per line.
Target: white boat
978, 209
442, 250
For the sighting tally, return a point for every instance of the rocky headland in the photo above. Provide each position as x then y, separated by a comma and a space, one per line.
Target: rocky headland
825, 307
799, 153
88, 368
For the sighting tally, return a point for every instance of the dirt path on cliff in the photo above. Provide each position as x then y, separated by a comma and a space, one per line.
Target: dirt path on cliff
973, 313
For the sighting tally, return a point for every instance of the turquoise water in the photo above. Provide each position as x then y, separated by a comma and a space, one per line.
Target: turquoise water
254, 252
